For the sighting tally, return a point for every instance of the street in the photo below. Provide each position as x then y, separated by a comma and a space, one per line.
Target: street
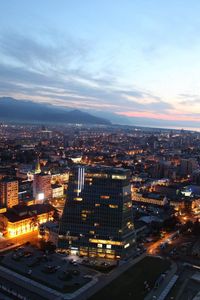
20, 240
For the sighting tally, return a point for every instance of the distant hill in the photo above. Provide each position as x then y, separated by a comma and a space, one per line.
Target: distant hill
30, 112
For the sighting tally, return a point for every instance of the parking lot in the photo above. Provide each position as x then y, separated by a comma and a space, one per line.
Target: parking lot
55, 270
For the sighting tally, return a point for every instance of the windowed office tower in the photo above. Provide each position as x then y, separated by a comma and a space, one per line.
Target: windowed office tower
97, 220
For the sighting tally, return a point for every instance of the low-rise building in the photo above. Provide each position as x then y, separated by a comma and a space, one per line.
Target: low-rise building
23, 219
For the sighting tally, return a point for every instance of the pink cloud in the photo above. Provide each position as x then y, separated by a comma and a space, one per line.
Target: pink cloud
159, 116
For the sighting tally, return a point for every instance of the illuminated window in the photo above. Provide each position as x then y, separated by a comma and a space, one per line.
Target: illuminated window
99, 245
88, 179
97, 205
108, 246
109, 251
121, 177
104, 197
105, 242
98, 175
78, 199
113, 206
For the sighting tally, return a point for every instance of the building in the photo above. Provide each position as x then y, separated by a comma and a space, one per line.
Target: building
155, 199
97, 220
188, 166
23, 219
49, 232
8, 192
42, 187
57, 191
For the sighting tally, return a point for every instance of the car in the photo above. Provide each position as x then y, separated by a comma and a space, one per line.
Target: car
75, 272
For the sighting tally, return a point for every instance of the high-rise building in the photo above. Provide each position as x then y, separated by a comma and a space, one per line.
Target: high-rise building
188, 166
97, 220
8, 192
42, 187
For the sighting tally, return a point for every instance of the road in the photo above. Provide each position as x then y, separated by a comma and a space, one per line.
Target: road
153, 247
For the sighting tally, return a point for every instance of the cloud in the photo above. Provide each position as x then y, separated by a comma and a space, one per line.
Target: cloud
160, 116
42, 71
35, 53
186, 99
56, 72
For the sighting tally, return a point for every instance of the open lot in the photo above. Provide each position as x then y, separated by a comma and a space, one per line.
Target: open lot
54, 270
131, 284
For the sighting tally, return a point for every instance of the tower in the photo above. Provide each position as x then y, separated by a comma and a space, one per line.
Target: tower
9, 192
97, 220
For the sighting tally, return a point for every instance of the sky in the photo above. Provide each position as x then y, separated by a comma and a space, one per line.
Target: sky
133, 61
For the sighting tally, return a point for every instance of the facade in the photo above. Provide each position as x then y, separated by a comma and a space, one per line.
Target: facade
23, 219
42, 187
97, 220
188, 166
57, 191
8, 192
160, 200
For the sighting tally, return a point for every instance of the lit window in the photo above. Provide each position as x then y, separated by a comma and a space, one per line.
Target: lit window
130, 225
113, 206
97, 205
108, 246
106, 242
78, 199
88, 179
104, 197
121, 177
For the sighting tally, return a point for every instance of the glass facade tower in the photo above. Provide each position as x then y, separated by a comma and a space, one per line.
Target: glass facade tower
97, 220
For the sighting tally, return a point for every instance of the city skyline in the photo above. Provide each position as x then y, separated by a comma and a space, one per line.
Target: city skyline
136, 59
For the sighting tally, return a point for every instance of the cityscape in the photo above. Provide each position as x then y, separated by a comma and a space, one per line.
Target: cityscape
85, 209
99, 150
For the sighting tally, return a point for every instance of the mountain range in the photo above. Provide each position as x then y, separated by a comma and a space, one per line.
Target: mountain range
12, 110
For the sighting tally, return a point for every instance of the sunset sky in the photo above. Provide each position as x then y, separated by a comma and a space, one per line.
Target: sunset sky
138, 59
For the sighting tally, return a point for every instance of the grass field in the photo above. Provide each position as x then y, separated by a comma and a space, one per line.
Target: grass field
130, 284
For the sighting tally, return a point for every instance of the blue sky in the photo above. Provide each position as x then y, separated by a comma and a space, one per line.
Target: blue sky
138, 59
